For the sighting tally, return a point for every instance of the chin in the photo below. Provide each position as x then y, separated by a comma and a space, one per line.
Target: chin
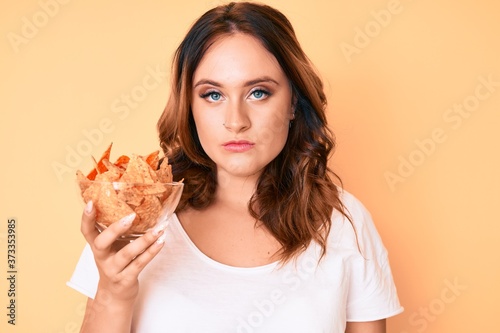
238, 172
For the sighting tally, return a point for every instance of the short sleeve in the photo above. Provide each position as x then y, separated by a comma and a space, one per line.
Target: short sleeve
372, 293
85, 278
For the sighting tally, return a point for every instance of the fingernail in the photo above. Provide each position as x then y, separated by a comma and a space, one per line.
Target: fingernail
88, 207
127, 220
158, 229
160, 240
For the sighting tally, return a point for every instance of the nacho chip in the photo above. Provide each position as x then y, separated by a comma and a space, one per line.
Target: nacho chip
164, 173
148, 213
82, 181
131, 194
153, 159
122, 161
137, 171
91, 193
100, 168
131, 184
115, 172
109, 207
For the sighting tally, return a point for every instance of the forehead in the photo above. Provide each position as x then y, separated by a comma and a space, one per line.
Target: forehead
237, 57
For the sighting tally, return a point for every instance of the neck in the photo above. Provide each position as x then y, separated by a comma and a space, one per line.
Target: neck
235, 192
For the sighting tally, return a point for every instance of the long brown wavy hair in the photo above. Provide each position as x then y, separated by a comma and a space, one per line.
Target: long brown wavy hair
295, 194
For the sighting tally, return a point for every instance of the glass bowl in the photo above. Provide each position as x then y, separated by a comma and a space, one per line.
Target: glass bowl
153, 203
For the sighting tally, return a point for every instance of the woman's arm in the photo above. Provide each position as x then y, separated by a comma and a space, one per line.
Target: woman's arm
377, 326
103, 317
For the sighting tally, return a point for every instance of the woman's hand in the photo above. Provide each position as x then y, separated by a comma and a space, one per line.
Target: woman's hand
119, 264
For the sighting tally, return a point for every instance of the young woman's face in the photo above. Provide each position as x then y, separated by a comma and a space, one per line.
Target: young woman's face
242, 105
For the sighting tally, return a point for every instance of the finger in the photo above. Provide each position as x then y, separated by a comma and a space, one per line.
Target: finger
119, 244
144, 258
107, 237
87, 226
134, 250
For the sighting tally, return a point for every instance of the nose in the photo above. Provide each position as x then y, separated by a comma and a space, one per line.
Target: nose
236, 118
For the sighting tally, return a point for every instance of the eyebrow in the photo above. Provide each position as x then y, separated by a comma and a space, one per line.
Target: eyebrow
248, 83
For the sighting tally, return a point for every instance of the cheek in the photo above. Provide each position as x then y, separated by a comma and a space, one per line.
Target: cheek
275, 122
274, 132
206, 127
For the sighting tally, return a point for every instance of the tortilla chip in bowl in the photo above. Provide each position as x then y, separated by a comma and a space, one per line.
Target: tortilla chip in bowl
140, 184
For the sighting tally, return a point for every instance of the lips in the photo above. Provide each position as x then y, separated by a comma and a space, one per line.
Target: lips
239, 146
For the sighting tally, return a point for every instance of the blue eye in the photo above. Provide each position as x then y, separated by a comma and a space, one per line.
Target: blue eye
260, 94
215, 96
212, 96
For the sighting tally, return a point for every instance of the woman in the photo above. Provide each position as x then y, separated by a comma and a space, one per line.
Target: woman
263, 240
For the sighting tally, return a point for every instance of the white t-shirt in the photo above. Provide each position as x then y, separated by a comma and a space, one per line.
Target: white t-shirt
183, 290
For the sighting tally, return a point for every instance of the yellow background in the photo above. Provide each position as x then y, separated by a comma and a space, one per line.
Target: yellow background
390, 90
